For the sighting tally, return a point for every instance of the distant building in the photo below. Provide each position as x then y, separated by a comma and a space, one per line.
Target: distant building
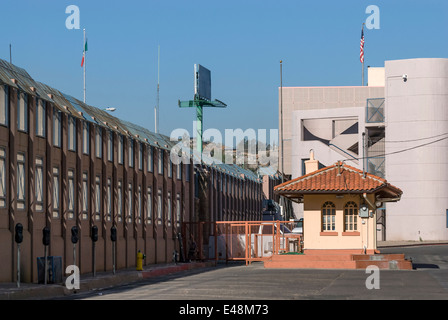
403, 113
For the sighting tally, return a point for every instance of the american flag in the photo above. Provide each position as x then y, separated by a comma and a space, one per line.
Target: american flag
361, 54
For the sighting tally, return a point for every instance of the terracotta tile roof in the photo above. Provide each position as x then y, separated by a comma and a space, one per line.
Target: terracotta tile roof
338, 178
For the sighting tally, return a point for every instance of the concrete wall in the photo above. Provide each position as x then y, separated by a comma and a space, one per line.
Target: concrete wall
416, 109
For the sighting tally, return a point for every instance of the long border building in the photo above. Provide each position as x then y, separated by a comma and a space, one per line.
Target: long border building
64, 163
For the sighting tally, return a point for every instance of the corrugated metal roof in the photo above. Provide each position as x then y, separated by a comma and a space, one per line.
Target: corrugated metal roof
79, 109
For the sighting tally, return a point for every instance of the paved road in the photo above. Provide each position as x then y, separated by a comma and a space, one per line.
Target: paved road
254, 282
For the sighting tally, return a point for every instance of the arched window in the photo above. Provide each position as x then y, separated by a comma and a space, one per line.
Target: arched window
328, 216
351, 216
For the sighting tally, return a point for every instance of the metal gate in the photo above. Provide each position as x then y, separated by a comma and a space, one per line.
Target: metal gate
239, 240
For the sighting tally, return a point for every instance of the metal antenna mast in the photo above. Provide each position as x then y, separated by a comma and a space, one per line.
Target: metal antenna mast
156, 109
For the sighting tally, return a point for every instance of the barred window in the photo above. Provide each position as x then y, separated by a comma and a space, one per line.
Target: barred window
56, 192
130, 202
178, 210
120, 201
328, 216
85, 138
351, 216
131, 153
98, 142
4, 105
2, 178
97, 198
71, 194
21, 181
109, 199
169, 213
149, 206
85, 195
40, 118
22, 112
57, 115
71, 133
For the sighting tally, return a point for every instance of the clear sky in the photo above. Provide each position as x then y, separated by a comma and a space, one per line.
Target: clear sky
241, 42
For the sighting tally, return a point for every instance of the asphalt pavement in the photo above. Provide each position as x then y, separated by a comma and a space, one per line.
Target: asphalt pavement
206, 280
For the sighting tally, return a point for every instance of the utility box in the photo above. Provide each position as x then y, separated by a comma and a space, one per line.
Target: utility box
54, 270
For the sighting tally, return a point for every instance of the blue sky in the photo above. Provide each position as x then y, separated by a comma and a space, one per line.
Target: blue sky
241, 42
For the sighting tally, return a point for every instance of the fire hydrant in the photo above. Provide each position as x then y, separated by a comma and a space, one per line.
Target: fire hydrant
140, 257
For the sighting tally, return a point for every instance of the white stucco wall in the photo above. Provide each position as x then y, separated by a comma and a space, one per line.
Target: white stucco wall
416, 109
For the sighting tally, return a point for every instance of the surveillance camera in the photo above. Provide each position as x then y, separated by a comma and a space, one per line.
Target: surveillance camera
405, 77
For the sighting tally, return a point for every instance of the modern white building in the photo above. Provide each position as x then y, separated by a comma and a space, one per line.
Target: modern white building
396, 127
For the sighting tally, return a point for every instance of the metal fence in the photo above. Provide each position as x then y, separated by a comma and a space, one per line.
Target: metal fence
239, 240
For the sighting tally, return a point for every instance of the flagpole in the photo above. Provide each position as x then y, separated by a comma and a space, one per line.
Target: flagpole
363, 56
84, 65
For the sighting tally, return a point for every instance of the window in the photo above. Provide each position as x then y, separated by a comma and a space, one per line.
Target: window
169, 208
85, 138
97, 198
2, 178
328, 216
56, 192
40, 118
71, 133
160, 165
98, 142
71, 194
178, 210
150, 159
159, 207
109, 199
131, 153
149, 206
22, 112
139, 211
120, 149
179, 171
85, 195
4, 105
170, 168
130, 202
21, 187
140, 156
57, 128
110, 147
120, 201
351, 216
187, 172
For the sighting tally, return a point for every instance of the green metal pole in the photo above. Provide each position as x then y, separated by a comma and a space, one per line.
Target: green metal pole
199, 129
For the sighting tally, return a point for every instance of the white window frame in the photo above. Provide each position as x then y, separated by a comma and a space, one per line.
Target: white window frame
2, 177
99, 142
120, 201
85, 138
159, 207
149, 206
21, 181
4, 105
71, 194
22, 111
71, 136
40, 118
57, 117
97, 198
85, 195
56, 193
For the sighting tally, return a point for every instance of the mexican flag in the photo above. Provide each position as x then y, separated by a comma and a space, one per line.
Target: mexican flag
84, 54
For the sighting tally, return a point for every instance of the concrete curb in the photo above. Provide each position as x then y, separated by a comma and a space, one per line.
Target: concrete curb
89, 283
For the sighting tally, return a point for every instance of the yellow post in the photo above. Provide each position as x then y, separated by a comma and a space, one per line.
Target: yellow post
140, 258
